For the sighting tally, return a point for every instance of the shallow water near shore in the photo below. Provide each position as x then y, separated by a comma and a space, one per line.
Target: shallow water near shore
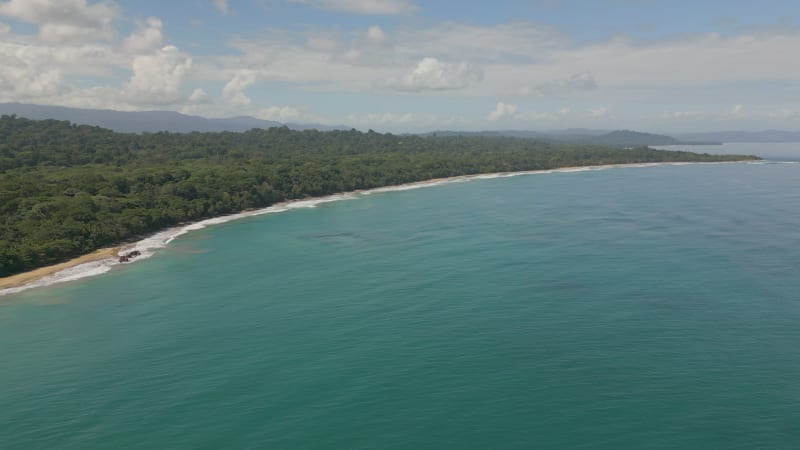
146, 248
652, 307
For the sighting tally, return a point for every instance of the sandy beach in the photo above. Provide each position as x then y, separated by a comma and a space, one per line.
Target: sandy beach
29, 277
164, 237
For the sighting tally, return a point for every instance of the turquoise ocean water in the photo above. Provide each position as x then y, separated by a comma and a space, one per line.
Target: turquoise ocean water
654, 307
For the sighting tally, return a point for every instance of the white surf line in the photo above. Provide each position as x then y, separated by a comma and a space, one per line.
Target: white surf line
148, 246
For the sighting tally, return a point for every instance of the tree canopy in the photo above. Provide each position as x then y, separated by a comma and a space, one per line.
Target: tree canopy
67, 190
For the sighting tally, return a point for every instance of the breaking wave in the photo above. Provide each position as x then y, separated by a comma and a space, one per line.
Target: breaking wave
149, 245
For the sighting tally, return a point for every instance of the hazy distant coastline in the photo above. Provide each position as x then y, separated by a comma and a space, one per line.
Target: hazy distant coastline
175, 122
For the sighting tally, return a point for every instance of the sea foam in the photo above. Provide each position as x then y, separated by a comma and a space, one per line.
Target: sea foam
149, 245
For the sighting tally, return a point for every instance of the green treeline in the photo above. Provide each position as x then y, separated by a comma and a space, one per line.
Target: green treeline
66, 190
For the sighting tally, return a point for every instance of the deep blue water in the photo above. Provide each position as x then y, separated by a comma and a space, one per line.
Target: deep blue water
642, 308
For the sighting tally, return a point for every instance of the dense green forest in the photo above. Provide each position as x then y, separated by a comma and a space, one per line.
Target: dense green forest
66, 190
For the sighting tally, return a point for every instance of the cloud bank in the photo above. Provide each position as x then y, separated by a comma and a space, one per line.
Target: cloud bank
72, 52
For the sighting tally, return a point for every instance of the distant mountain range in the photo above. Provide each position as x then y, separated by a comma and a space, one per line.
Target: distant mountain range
154, 121
626, 138
742, 136
633, 138
144, 121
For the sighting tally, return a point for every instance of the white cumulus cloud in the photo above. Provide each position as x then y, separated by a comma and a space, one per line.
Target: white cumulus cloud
233, 91
375, 35
502, 111
430, 74
147, 36
27, 83
366, 7
286, 114
200, 97
158, 78
64, 20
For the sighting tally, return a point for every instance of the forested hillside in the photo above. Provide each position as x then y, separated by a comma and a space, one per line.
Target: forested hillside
66, 190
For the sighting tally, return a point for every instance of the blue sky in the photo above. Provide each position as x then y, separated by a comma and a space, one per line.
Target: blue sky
408, 65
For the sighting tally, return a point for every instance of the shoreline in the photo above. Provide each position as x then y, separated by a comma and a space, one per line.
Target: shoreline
25, 278
103, 260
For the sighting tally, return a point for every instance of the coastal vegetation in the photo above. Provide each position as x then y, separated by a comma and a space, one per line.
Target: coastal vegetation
67, 190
